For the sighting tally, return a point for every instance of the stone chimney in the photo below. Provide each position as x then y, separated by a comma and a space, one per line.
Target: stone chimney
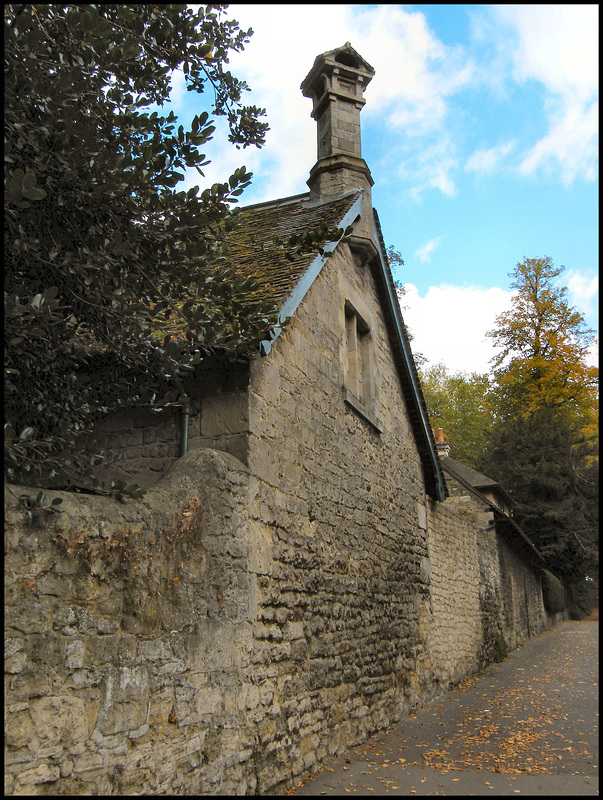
442, 446
336, 84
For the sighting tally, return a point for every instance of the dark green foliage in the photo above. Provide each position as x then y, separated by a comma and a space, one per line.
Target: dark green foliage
549, 467
40, 501
552, 593
116, 284
99, 247
578, 602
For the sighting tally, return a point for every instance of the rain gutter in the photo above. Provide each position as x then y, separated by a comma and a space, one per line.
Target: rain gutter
428, 444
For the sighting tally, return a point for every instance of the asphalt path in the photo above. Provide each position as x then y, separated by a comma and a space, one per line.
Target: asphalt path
528, 725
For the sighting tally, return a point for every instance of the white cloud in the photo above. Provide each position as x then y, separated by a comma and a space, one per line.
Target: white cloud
571, 146
557, 45
583, 290
449, 324
487, 160
424, 253
415, 76
431, 167
415, 72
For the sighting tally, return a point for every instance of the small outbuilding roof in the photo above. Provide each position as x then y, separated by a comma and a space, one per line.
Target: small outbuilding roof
475, 479
477, 484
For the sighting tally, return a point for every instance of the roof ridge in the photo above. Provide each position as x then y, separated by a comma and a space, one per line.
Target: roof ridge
312, 200
283, 201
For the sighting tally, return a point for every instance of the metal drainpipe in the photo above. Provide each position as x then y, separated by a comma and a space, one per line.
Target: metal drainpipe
186, 412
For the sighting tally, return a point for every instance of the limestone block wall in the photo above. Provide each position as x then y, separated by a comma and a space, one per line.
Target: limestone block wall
128, 640
505, 582
343, 581
455, 631
147, 442
523, 609
224, 424
485, 594
491, 598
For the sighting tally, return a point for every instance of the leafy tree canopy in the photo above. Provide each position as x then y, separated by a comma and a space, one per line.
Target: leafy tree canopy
104, 258
543, 346
543, 445
550, 469
457, 403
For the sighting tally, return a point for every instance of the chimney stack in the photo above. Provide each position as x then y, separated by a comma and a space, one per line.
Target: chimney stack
442, 446
336, 84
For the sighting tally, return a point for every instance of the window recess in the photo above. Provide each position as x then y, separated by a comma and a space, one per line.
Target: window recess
360, 386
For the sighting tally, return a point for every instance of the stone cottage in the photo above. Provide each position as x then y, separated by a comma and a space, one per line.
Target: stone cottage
298, 578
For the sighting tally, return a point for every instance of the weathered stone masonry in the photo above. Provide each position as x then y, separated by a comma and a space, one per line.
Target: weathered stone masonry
128, 637
248, 621
293, 583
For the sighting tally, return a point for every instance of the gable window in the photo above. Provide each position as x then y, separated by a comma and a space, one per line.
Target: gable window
360, 389
357, 348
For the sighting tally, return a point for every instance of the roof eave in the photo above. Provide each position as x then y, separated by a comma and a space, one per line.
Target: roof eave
435, 481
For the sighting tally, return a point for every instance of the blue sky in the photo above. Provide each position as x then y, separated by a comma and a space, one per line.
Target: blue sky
481, 133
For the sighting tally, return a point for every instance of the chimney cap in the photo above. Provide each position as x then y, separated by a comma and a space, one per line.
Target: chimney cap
442, 446
343, 58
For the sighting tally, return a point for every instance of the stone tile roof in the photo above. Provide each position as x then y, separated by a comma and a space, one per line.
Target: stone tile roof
251, 247
473, 478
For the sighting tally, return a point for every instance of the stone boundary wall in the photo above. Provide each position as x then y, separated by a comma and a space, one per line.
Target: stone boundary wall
142, 445
486, 596
455, 630
260, 610
249, 619
524, 615
128, 638
148, 444
203, 642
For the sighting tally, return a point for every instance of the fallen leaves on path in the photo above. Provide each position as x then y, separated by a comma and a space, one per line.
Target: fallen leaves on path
517, 729
534, 724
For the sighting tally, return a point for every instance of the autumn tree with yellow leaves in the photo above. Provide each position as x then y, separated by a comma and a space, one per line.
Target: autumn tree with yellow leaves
543, 347
543, 444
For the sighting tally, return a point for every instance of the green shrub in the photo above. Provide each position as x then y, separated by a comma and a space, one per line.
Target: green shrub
553, 593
